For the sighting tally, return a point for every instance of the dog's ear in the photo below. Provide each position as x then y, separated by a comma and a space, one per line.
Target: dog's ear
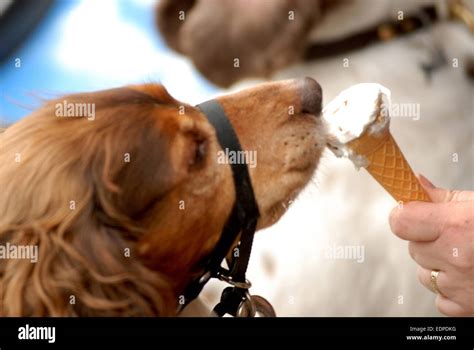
81, 270
170, 16
83, 267
78, 194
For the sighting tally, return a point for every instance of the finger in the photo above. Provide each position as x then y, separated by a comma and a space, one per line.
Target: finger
424, 276
449, 307
417, 221
439, 195
429, 254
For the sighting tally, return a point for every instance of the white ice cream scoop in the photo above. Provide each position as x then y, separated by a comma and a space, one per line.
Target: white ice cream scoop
361, 107
358, 124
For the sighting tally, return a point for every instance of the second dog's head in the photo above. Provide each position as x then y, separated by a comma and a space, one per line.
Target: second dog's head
123, 206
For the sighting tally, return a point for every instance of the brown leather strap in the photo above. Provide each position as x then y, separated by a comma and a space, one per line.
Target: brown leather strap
382, 32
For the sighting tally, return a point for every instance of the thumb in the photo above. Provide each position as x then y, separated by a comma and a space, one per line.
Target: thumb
439, 195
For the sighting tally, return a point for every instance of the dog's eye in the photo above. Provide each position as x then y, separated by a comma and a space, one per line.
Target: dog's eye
199, 153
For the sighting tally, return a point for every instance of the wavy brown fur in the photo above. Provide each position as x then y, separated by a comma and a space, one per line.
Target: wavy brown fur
82, 251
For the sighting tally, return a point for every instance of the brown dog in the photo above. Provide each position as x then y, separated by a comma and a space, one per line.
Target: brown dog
123, 206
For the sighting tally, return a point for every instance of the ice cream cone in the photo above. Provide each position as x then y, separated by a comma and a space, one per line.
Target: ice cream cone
388, 166
358, 120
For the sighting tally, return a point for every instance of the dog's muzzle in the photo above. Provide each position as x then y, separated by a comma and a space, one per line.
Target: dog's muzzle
236, 299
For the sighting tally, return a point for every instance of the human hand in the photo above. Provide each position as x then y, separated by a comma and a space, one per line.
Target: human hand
441, 238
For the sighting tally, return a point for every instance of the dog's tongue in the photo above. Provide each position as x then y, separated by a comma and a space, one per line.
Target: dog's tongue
353, 111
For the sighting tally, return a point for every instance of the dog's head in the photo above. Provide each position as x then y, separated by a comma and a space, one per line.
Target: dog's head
259, 37
124, 204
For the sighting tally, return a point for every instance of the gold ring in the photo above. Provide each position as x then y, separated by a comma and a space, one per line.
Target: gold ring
434, 281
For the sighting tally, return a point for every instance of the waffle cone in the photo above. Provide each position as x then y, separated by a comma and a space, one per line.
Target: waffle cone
388, 166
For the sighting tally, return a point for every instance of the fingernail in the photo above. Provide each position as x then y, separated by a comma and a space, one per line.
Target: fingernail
425, 182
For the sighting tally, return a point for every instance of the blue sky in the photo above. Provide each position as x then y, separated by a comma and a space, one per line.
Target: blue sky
85, 45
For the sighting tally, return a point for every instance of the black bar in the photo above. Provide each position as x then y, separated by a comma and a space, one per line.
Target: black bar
89, 331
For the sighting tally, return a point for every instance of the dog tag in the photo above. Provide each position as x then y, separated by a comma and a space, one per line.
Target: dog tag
255, 305
263, 306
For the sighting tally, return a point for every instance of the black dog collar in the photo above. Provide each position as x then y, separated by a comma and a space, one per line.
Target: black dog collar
235, 300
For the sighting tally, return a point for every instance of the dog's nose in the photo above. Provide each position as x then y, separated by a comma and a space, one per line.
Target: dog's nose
311, 96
